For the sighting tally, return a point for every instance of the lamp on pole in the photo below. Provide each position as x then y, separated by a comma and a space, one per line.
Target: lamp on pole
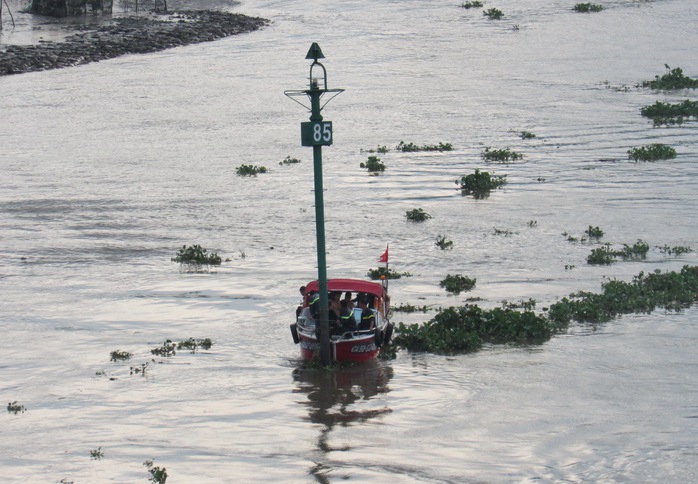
318, 133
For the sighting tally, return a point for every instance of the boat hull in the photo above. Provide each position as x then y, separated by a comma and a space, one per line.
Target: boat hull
356, 349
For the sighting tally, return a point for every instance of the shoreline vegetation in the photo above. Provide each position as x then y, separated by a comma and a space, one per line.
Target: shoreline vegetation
127, 35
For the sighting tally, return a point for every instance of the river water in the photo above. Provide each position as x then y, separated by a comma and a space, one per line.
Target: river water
109, 168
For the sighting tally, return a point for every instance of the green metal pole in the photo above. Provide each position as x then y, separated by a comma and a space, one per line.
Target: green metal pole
324, 326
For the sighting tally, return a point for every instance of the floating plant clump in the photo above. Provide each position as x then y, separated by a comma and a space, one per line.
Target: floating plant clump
652, 152
289, 161
384, 273
457, 283
493, 14
472, 4
373, 164
195, 254
666, 113
250, 170
587, 7
411, 147
467, 328
417, 215
500, 155
674, 79
480, 183
606, 256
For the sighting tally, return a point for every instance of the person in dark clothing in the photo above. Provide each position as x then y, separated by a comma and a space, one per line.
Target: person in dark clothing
347, 318
368, 319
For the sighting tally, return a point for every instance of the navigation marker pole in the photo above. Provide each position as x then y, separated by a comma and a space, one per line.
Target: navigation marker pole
318, 133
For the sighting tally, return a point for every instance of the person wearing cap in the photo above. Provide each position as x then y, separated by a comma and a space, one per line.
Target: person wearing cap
347, 318
368, 319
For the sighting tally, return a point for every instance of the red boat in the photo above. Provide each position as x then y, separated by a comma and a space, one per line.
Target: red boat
355, 345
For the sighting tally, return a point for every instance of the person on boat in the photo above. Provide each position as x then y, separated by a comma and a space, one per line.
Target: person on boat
368, 319
314, 304
347, 298
300, 308
346, 318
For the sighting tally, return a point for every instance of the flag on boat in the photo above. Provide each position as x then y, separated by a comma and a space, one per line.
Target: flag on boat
384, 257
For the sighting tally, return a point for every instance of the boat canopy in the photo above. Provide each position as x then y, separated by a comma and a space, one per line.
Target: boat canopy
352, 285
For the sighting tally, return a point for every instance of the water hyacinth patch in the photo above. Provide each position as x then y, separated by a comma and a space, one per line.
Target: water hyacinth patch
417, 215
382, 272
652, 152
500, 155
493, 14
411, 147
250, 170
587, 7
289, 161
605, 255
666, 113
480, 183
457, 283
674, 79
472, 4
373, 164
671, 290
443, 243
467, 328
195, 254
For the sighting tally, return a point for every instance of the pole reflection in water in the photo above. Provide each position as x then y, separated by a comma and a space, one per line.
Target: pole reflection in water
340, 397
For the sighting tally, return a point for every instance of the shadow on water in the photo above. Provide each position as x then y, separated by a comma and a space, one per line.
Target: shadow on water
336, 397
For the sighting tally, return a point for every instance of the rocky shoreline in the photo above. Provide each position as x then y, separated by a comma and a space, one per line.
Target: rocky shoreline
127, 35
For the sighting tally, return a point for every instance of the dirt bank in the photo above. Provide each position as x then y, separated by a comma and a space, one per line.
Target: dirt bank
126, 35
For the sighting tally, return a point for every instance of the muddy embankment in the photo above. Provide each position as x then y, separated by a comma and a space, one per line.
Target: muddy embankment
126, 35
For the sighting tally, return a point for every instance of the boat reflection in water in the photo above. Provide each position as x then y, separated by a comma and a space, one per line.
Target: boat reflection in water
342, 397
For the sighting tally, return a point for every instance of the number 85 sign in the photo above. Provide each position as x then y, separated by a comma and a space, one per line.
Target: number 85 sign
316, 133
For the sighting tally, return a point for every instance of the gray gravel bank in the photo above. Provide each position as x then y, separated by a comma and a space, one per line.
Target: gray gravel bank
127, 35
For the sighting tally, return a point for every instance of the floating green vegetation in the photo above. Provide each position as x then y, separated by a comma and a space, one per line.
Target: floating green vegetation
502, 232
480, 183
527, 135
288, 161
14, 407
674, 79
417, 215
195, 254
167, 349
119, 355
373, 164
380, 149
157, 475
493, 14
665, 113
678, 250
532, 223
250, 170
467, 328
96, 454
193, 344
606, 256
383, 273
409, 308
457, 283
502, 156
521, 304
652, 152
601, 256
411, 147
139, 370
587, 7
670, 290
594, 232
472, 4
443, 243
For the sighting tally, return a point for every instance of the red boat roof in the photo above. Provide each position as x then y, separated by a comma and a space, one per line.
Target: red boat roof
353, 285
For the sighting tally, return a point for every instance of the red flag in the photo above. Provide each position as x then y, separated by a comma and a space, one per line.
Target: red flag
384, 257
